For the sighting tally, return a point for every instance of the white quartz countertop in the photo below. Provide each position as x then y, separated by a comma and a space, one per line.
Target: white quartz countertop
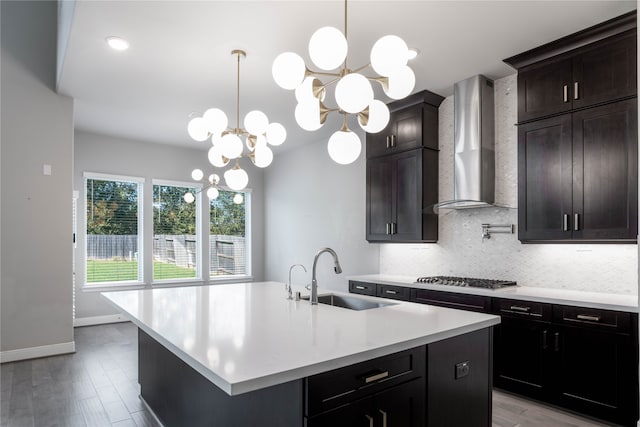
628, 303
248, 336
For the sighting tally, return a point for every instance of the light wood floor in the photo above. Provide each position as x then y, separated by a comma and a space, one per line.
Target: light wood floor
97, 386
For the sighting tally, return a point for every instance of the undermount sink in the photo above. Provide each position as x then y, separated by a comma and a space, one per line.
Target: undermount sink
352, 303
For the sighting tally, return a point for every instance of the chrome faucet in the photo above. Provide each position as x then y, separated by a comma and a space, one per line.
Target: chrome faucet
287, 286
314, 283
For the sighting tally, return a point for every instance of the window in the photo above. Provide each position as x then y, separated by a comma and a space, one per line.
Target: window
175, 233
113, 245
228, 241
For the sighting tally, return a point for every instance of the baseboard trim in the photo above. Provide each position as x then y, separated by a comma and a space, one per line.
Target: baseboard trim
36, 352
99, 320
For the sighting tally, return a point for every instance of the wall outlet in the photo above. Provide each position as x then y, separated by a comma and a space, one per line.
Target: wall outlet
46, 170
462, 369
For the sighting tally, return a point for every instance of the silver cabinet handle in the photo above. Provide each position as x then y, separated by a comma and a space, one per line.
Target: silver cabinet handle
360, 287
384, 418
576, 222
388, 291
388, 228
388, 142
393, 140
588, 318
556, 341
376, 377
575, 91
520, 308
393, 228
565, 93
565, 222
370, 420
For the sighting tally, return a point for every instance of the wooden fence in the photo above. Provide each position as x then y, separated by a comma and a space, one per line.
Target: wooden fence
227, 254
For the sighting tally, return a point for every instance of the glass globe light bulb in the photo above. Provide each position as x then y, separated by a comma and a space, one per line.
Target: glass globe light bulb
236, 178
263, 156
378, 117
197, 129
215, 157
388, 54
288, 70
214, 179
238, 199
256, 122
401, 83
344, 147
276, 134
212, 193
308, 115
328, 48
353, 93
231, 146
215, 120
189, 197
197, 174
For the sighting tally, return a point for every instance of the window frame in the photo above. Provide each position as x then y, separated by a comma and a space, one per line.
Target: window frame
140, 181
247, 276
198, 279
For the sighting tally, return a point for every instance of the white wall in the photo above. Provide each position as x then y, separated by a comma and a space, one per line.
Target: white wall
36, 225
312, 202
113, 155
461, 252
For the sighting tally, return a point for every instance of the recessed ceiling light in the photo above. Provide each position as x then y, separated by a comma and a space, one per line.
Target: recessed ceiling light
117, 43
413, 53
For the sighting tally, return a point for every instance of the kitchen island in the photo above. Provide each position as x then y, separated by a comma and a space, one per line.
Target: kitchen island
243, 354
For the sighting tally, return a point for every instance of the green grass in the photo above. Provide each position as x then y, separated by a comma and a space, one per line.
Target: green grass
118, 271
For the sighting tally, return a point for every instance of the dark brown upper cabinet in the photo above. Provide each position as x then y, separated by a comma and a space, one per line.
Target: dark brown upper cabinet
402, 173
577, 137
597, 65
413, 124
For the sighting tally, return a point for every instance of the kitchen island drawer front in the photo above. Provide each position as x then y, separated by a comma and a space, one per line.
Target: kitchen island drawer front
528, 309
452, 300
394, 292
362, 288
331, 389
592, 317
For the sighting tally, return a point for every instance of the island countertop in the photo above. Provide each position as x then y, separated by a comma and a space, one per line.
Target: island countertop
245, 337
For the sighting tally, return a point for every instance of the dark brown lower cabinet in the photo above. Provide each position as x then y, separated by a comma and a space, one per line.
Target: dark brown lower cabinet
401, 406
581, 359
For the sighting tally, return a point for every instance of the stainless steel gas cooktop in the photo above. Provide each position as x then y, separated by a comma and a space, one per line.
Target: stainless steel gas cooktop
469, 282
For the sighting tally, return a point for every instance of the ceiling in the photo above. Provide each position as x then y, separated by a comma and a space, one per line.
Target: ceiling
180, 57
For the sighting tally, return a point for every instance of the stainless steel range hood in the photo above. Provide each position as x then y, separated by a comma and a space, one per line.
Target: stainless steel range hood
474, 155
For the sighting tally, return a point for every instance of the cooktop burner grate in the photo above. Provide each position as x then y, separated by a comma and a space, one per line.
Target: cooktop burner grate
466, 282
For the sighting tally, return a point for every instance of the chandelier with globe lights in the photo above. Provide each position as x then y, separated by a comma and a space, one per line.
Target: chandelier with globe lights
227, 142
353, 94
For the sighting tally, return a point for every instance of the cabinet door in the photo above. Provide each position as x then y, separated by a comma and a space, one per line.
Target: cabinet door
401, 406
355, 414
379, 144
520, 356
379, 198
605, 72
605, 174
544, 89
408, 128
595, 374
545, 179
407, 207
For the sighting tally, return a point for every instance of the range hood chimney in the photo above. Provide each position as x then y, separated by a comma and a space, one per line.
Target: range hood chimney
474, 153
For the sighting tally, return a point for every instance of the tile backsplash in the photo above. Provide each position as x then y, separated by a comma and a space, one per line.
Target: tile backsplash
461, 251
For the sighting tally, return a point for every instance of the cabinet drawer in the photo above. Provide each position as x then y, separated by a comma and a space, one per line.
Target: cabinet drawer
394, 292
528, 309
334, 388
452, 300
362, 288
602, 319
